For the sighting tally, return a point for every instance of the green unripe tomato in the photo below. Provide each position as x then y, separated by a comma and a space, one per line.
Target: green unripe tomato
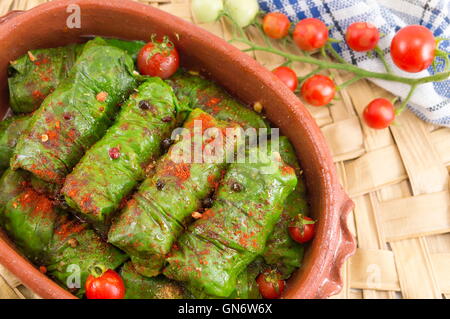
206, 10
242, 11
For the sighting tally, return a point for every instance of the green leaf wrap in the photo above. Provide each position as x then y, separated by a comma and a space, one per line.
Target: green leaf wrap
138, 134
131, 47
29, 219
48, 189
196, 91
10, 131
32, 81
281, 250
154, 218
213, 252
73, 118
246, 285
12, 183
48, 236
74, 249
140, 287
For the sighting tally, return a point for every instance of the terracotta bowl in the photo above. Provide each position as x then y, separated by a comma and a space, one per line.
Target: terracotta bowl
45, 26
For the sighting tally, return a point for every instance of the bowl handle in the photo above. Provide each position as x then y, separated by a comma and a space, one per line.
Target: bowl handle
346, 246
10, 15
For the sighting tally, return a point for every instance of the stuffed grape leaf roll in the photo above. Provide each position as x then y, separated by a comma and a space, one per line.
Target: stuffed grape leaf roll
281, 250
48, 236
246, 285
160, 287
74, 249
35, 75
216, 248
12, 183
10, 130
100, 181
197, 91
76, 114
157, 214
29, 219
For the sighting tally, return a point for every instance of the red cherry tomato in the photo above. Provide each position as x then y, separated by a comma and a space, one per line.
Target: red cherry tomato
302, 230
276, 25
270, 284
413, 48
310, 34
108, 285
318, 90
362, 36
158, 58
288, 76
379, 114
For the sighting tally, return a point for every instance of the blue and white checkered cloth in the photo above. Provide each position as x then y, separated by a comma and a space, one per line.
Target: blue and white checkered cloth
431, 102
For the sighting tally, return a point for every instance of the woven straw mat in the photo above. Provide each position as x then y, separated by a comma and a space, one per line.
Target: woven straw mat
397, 177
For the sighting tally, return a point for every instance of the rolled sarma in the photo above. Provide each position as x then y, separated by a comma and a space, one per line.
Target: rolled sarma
140, 287
52, 191
196, 91
76, 114
74, 249
131, 47
157, 214
29, 219
210, 256
10, 131
12, 183
145, 120
36, 74
48, 236
281, 250
246, 286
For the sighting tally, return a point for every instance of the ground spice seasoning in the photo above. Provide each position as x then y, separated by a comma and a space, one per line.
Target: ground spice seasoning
37, 95
287, 170
68, 228
180, 170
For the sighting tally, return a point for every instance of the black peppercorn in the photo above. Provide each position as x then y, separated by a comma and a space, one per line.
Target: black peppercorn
144, 105
160, 185
207, 202
236, 187
166, 143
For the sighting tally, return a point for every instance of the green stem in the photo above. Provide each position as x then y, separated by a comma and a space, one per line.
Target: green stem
349, 82
97, 270
324, 53
235, 25
287, 63
380, 54
315, 71
406, 100
335, 54
350, 67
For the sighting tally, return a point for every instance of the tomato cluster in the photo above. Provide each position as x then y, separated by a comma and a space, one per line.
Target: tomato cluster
413, 49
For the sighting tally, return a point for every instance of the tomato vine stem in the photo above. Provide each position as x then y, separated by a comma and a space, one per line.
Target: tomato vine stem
346, 66
340, 63
380, 54
402, 107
